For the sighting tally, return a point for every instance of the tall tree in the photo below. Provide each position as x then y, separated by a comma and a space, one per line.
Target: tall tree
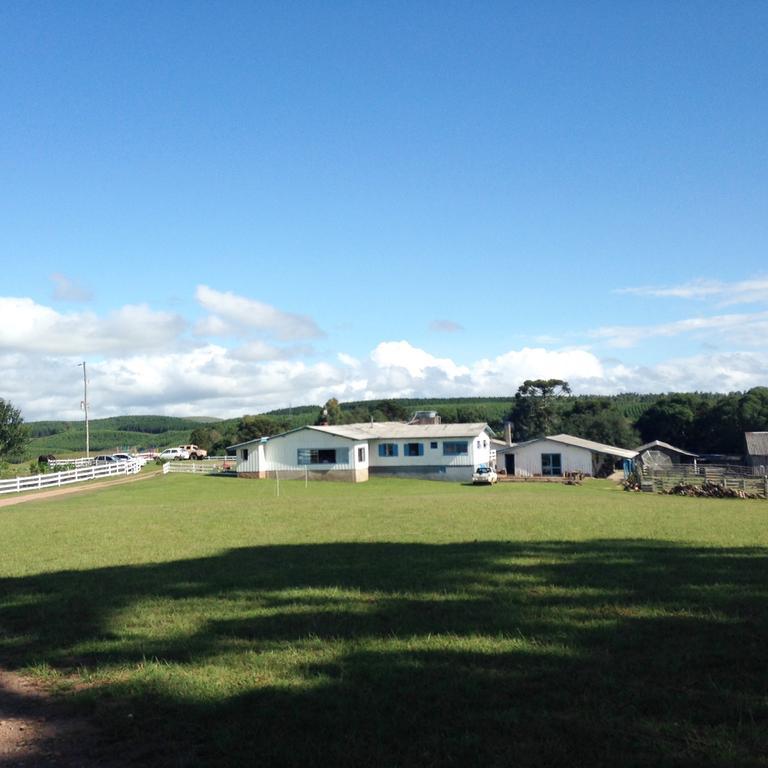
393, 411
14, 434
252, 427
534, 413
598, 419
330, 413
672, 419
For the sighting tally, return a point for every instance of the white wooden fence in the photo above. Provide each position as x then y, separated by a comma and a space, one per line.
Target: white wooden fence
207, 466
77, 475
72, 463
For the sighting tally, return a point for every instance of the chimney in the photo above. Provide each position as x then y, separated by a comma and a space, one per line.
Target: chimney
508, 432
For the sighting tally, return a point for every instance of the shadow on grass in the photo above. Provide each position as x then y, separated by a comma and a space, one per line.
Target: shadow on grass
485, 653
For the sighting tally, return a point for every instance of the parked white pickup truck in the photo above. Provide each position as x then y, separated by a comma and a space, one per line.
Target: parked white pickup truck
194, 451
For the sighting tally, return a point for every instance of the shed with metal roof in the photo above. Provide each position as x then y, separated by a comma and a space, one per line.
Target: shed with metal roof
757, 449
658, 454
559, 455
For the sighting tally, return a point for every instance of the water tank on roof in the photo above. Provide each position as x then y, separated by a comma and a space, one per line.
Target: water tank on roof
425, 417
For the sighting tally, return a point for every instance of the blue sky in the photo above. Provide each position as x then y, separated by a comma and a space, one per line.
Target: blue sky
229, 207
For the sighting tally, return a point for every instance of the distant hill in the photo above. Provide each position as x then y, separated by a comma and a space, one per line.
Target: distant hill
112, 434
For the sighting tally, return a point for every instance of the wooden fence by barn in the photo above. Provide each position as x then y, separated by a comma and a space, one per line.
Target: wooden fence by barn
738, 478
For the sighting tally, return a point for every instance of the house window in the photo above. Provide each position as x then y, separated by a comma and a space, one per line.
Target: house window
551, 464
361, 453
322, 456
413, 449
478, 443
244, 454
433, 445
387, 449
485, 443
455, 447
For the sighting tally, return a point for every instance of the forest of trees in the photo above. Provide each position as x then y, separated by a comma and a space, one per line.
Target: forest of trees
703, 423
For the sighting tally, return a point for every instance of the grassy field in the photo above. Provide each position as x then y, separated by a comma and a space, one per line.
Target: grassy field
206, 621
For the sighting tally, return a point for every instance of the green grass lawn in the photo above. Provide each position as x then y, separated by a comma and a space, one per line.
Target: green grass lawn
206, 621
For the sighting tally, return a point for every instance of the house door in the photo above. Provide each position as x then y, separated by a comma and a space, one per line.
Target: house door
509, 463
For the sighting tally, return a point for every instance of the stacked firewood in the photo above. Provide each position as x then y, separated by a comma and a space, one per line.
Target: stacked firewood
711, 490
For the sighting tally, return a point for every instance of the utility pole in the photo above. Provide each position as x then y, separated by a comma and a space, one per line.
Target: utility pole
84, 406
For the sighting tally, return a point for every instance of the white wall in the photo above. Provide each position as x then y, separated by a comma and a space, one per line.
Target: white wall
478, 452
528, 458
255, 460
282, 451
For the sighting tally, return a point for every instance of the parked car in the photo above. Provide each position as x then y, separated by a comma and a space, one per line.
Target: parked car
106, 459
484, 475
123, 456
171, 454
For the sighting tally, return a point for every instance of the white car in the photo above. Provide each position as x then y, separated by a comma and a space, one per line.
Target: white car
484, 475
105, 459
171, 454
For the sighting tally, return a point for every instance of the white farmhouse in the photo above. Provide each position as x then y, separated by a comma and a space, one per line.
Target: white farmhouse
557, 456
353, 452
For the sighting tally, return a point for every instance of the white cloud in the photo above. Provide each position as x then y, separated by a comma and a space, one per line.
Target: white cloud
445, 326
28, 326
740, 328
139, 362
348, 360
66, 289
506, 372
216, 381
739, 292
724, 372
234, 315
417, 362
256, 351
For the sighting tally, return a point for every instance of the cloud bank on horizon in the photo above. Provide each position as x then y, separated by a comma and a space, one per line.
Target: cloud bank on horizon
243, 355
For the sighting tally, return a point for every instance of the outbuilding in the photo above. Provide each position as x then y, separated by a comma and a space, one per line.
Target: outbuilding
659, 455
757, 449
559, 455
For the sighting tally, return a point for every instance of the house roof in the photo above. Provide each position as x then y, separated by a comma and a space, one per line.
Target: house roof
757, 443
394, 430
579, 442
389, 430
659, 444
